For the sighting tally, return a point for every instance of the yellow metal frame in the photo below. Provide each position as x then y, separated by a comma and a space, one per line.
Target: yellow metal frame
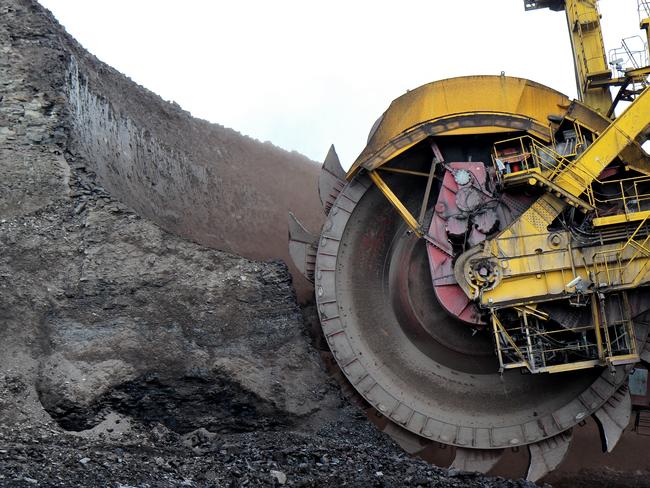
589, 53
619, 266
593, 74
531, 265
540, 164
458, 106
629, 195
536, 267
603, 343
396, 202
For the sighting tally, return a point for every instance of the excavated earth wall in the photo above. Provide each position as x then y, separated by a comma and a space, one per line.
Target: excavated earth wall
104, 309
137, 349
198, 180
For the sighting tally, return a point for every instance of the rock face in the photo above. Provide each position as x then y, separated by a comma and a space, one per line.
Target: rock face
104, 310
197, 180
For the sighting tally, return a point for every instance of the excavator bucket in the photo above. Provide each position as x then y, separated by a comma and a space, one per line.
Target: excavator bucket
417, 237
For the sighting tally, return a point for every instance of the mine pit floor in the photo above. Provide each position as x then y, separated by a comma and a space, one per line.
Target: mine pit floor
346, 452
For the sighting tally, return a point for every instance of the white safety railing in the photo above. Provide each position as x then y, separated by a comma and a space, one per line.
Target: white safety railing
632, 54
644, 9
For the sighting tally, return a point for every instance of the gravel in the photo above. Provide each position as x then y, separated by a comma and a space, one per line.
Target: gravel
346, 452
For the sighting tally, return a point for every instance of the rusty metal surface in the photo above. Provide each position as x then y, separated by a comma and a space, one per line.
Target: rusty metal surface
463, 214
302, 247
613, 417
445, 224
547, 455
408, 358
331, 180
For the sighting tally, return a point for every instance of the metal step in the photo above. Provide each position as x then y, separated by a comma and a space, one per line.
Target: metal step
642, 422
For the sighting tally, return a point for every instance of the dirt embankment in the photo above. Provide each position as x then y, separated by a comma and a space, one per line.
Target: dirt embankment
198, 180
104, 311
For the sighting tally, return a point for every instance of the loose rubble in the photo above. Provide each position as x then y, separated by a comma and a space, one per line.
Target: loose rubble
347, 452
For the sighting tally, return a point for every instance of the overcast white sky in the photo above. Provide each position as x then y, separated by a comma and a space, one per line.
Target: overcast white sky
304, 74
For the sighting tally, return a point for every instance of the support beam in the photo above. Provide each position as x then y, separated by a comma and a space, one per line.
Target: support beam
530, 264
589, 55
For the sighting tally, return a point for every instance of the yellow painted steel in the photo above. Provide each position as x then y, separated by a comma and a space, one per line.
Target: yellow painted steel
529, 263
466, 105
500, 332
530, 353
597, 327
628, 194
532, 273
531, 310
562, 368
589, 53
627, 129
636, 75
531, 266
626, 265
399, 206
620, 218
500, 329
405, 172
593, 74
576, 177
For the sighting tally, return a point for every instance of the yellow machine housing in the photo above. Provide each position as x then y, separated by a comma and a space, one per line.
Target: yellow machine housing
492, 226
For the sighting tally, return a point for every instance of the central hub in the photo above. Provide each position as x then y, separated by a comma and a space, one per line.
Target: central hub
483, 272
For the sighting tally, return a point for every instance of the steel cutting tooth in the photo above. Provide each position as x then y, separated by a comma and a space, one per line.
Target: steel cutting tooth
331, 180
547, 455
481, 460
613, 417
408, 441
301, 247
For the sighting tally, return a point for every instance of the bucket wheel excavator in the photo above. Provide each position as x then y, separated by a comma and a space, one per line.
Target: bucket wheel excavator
481, 275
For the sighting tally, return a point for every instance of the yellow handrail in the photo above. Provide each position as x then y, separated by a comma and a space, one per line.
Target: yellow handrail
618, 255
535, 155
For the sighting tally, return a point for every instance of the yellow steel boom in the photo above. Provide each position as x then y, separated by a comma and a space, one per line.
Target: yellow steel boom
589, 54
527, 263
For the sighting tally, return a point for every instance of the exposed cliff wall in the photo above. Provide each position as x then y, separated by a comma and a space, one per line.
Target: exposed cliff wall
198, 180
107, 304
